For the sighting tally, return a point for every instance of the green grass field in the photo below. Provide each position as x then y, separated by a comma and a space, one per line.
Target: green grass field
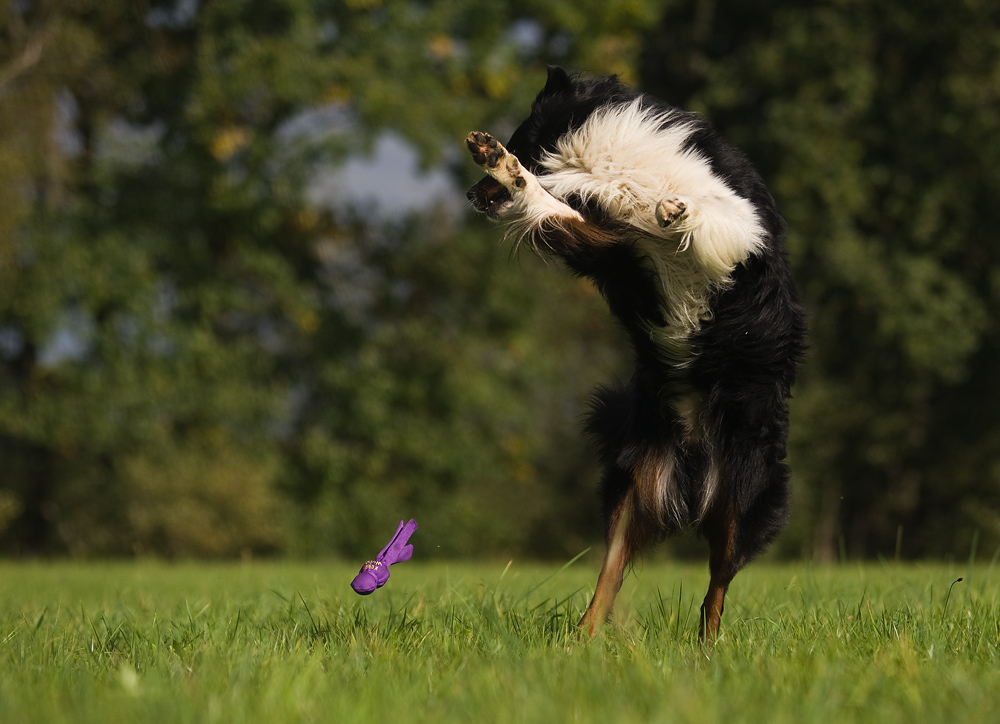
272, 642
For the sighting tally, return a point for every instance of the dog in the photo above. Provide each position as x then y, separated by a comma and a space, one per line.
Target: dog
680, 235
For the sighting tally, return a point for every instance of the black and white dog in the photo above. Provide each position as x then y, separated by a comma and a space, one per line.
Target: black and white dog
680, 235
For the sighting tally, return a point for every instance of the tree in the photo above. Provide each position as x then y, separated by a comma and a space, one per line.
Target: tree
169, 313
876, 126
198, 356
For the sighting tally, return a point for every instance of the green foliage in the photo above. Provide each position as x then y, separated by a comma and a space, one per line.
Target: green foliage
133, 303
183, 371
443, 643
876, 125
198, 356
445, 406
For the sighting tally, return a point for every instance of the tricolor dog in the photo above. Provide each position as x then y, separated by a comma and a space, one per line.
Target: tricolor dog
682, 238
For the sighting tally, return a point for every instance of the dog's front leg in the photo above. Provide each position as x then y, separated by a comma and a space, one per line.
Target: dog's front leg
525, 188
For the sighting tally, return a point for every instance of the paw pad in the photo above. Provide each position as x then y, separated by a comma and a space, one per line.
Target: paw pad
485, 149
669, 210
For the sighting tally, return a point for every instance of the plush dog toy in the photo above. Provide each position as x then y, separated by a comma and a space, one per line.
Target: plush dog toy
375, 573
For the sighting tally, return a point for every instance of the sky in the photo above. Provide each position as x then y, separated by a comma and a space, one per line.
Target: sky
388, 183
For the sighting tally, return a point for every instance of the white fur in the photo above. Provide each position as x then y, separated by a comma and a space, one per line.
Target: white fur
532, 204
666, 499
627, 159
669, 504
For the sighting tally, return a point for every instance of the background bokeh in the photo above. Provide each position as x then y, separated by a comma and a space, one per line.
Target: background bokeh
244, 309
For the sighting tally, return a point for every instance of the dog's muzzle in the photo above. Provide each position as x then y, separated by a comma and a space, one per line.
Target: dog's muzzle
490, 197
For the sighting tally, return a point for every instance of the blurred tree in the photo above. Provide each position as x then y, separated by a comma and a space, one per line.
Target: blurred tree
172, 305
878, 127
201, 356
452, 401
438, 386
134, 294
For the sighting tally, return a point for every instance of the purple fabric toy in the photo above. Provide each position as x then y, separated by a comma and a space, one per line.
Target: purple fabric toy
375, 573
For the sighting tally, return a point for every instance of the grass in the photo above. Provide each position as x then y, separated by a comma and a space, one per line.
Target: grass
273, 642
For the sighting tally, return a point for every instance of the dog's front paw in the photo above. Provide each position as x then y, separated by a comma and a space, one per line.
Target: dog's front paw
670, 210
486, 150
489, 153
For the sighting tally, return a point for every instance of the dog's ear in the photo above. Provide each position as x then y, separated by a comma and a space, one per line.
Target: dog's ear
558, 80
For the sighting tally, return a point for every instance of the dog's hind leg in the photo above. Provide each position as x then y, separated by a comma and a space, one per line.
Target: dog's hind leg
720, 529
737, 534
619, 554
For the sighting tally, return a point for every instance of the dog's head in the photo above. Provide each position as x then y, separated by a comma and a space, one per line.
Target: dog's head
550, 117
490, 197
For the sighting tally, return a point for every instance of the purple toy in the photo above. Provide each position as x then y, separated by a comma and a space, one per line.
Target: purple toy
375, 573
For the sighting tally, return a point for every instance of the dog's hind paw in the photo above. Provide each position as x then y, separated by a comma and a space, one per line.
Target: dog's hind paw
489, 153
670, 210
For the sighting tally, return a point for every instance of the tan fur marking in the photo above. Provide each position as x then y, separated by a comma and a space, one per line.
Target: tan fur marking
609, 582
688, 409
721, 559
